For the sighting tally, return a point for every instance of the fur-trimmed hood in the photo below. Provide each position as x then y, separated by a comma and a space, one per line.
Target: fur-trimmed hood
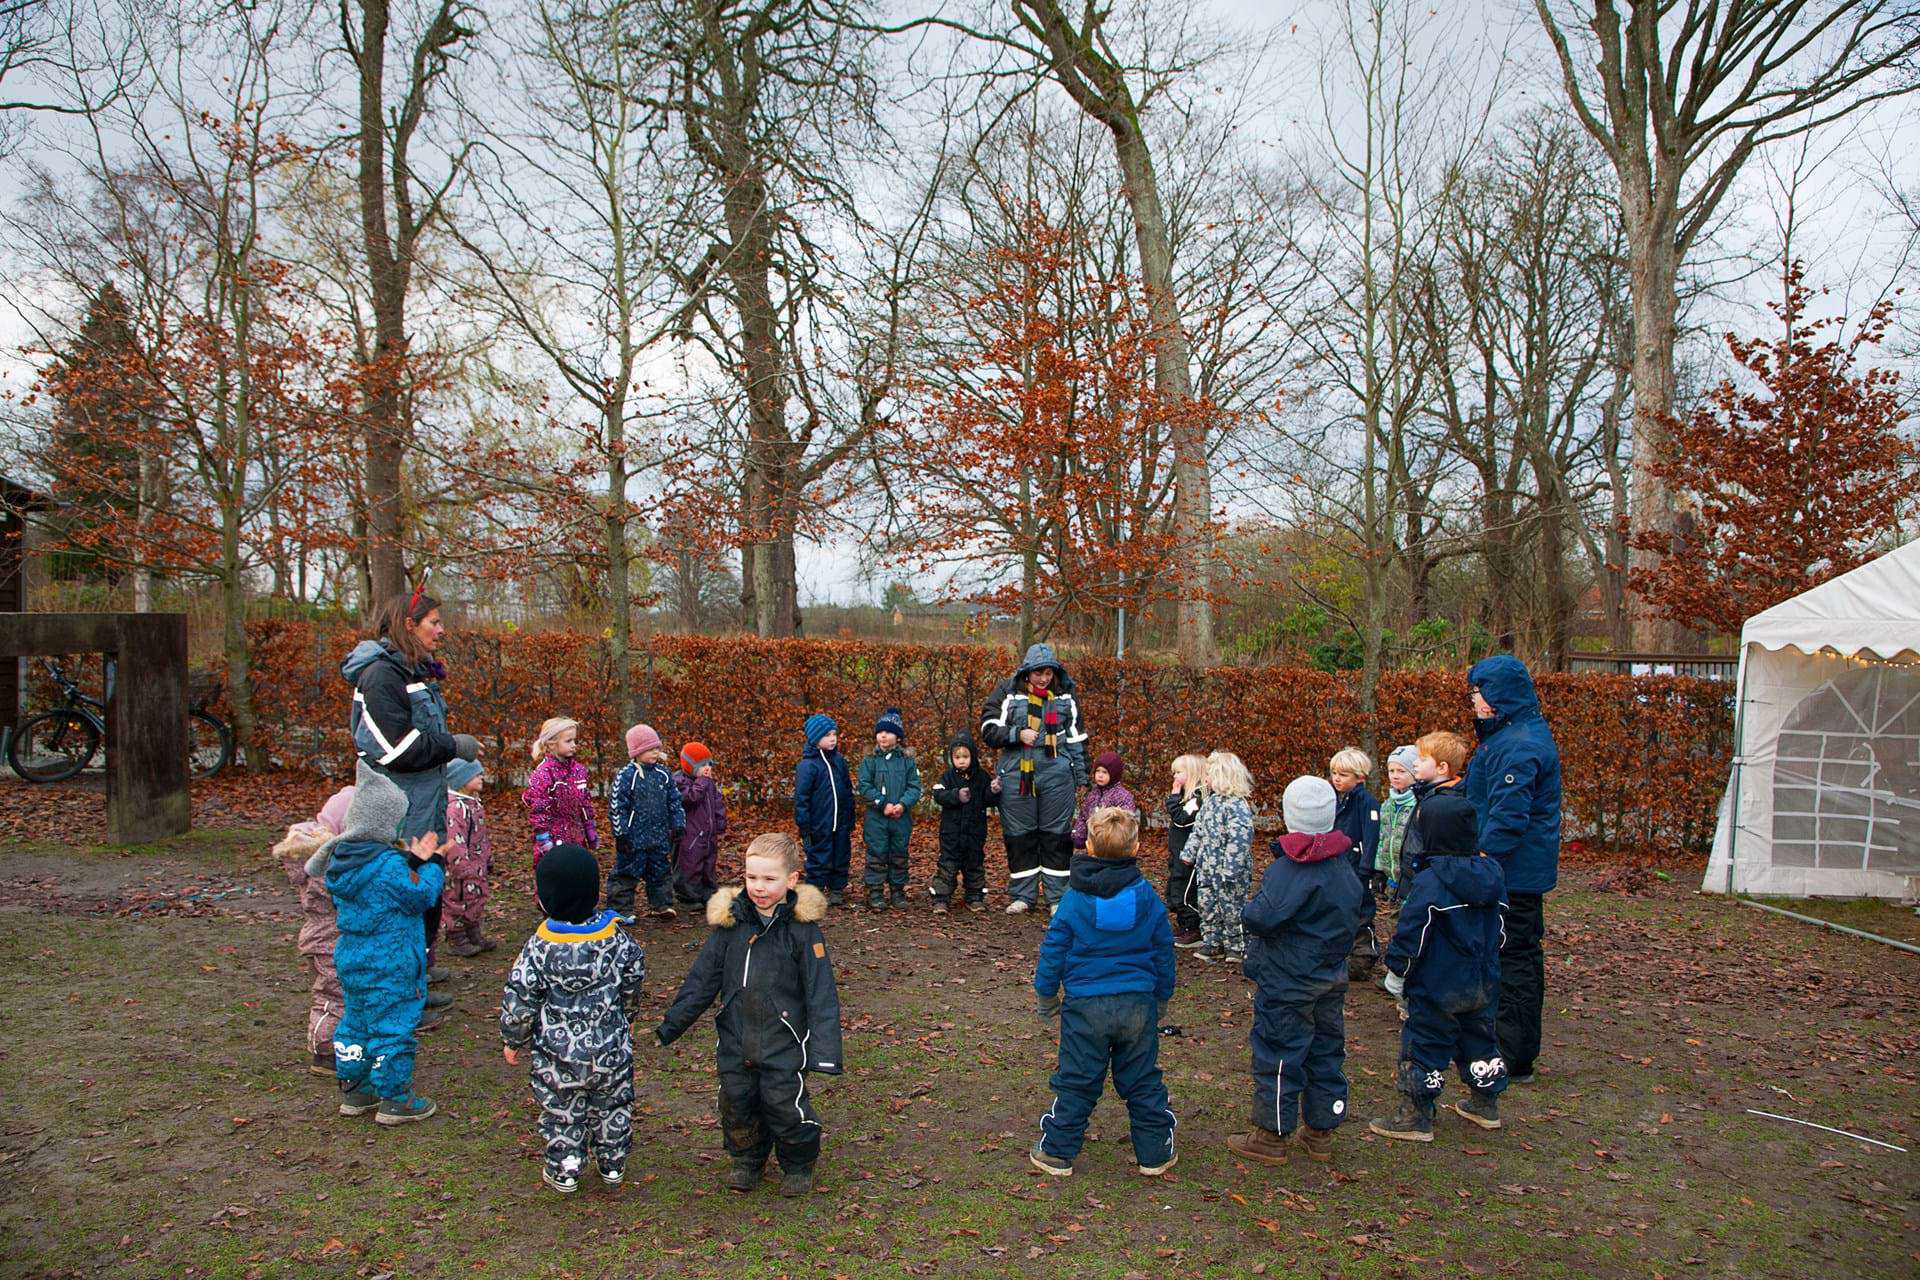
301, 840
807, 903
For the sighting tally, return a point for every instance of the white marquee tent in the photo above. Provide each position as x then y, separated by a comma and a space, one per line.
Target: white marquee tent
1824, 798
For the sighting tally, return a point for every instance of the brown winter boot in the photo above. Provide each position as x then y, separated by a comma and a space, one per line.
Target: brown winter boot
463, 946
1315, 1144
1263, 1145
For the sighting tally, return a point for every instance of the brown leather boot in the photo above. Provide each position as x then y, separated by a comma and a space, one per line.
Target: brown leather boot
1263, 1145
1315, 1144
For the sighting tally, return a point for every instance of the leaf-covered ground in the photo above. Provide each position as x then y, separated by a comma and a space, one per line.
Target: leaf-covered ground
156, 1118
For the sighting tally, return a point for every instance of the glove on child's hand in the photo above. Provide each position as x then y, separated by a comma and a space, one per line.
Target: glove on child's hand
1395, 985
994, 786
1048, 1007
543, 841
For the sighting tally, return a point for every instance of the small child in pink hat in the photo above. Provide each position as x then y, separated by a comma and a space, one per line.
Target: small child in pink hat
647, 818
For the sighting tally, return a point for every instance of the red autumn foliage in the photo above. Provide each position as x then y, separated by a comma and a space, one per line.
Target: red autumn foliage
1794, 477
1647, 755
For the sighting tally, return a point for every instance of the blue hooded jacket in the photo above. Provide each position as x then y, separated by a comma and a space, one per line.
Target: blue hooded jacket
1300, 925
1514, 778
379, 895
1110, 935
822, 792
1447, 945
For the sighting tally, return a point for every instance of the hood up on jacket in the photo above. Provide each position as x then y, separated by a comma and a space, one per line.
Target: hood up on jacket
370, 826
1504, 681
962, 739
730, 905
1475, 880
1041, 655
1300, 847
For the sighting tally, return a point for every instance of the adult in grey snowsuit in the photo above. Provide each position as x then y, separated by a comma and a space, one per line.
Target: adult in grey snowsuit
1033, 720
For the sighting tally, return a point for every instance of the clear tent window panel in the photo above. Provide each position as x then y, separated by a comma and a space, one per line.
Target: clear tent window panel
1846, 790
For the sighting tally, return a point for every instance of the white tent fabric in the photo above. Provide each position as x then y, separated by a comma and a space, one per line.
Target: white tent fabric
1824, 797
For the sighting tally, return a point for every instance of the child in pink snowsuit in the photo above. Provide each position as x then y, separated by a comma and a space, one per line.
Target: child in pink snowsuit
469, 852
559, 805
318, 929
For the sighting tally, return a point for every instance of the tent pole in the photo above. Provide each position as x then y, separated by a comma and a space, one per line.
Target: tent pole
1739, 764
1843, 928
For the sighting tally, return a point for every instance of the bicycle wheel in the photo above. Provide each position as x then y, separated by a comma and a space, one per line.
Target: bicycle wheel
53, 746
209, 744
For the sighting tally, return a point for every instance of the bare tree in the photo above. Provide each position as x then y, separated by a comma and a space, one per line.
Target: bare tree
1680, 94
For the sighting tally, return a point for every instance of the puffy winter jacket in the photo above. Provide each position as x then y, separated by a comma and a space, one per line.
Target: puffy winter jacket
1006, 713
705, 811
1110, 935
399, 724
1514, 778
823, 793
1300, 924
1452, 922
963, 821
572, 994
1436, 809
1357, 813
559, 804
889, 777
645, 809
379, 895
1111, 796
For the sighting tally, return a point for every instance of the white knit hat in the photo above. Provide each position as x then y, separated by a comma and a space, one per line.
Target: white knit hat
1308, 806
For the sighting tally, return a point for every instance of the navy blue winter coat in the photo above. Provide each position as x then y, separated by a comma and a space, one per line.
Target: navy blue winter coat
1514, 778
1109, 936
823, 793
1301, 922
645, 810
1447, 945
1357, 814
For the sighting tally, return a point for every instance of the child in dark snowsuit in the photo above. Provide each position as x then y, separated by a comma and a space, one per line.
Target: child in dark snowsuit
1444, 962
570, 1000
889, 788
1105, 793
1299, 927
1357, 814
1109, 947
381, 892
766, 963
823, 808
1183, 808
964, 793
694, 878
647, 817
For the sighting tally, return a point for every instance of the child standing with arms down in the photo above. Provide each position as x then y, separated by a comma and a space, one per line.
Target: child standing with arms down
766, 963
1109, 947
964, 793
558, 807
1396, 816
1299, 927
647, 817
889, 787
1358, 815
1105, 793
1221, 853
823, 808
318, 929
469, 858
568, 1005
1183, 807
706, 814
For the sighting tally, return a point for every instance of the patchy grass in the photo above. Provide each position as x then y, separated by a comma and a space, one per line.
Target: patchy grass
156, 1119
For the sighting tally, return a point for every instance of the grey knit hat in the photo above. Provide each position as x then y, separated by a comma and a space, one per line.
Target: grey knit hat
373, 817
1308, 806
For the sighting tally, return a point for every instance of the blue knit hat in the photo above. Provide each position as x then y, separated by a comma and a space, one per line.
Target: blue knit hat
890, 722
818, 726
461, 772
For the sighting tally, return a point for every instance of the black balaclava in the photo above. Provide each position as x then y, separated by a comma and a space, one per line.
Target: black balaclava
568, 882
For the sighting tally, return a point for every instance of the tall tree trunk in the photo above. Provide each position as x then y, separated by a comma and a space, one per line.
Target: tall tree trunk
1654, 275
619, 593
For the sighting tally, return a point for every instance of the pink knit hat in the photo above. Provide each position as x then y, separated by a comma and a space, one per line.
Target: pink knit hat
333, 814
640, 740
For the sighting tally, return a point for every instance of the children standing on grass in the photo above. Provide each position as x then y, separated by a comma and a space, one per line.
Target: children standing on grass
469, 854
823, 808
694, 875
766, 964
889, 788
1444, 963
647, 817
1110, 949
568, 1004
1105, 793
964, 793
318, 928
1396, 815
559, 809
1299, 927
1221, 853
1183, 807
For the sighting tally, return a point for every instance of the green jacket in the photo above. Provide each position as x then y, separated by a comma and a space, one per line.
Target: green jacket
889, 777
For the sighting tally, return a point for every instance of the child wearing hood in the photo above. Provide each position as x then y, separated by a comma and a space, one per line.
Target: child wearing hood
318, 929
469, 854
381, 892
964, 793
1299, 927
1110, 948
568, 1005
890, 787
1105, 793
1444, 962
694, 878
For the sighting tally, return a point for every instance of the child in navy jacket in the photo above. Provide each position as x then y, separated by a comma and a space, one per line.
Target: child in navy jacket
1110, 947
823, 808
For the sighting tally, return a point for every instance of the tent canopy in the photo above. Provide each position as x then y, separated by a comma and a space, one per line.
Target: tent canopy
1874, 609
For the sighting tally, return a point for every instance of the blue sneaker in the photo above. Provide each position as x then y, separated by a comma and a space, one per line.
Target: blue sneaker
404, 1110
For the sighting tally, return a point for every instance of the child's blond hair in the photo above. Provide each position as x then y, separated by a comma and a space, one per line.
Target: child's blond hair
1446, 747
1351, 760
550, 728
1113, 832
778, 844
1192, 767
1227, 776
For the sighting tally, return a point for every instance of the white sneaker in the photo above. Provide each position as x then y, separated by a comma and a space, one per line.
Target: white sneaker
1155, 1170
1018, 907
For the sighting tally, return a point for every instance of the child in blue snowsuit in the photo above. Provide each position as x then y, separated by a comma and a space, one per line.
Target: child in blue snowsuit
1299, 928
381, 893
889, 788
1444, 962
823, 808
647, 816
1109, 946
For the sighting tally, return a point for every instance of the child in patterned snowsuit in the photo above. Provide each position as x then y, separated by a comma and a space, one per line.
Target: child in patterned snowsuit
469, 854
647, 818
766, 964
1221, 851
559, 804
380, 892
889, 788
318, 929
569, 1004
694, 873
1105, 793
1299, 927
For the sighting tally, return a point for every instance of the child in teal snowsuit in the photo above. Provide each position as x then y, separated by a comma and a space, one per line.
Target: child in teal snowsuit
889, 787
380, 891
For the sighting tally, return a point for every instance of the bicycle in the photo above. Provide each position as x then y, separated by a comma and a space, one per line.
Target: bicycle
55, 745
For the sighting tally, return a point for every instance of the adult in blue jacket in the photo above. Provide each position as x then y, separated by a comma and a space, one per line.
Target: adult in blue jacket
1110, 948
823, 808
1513, 781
